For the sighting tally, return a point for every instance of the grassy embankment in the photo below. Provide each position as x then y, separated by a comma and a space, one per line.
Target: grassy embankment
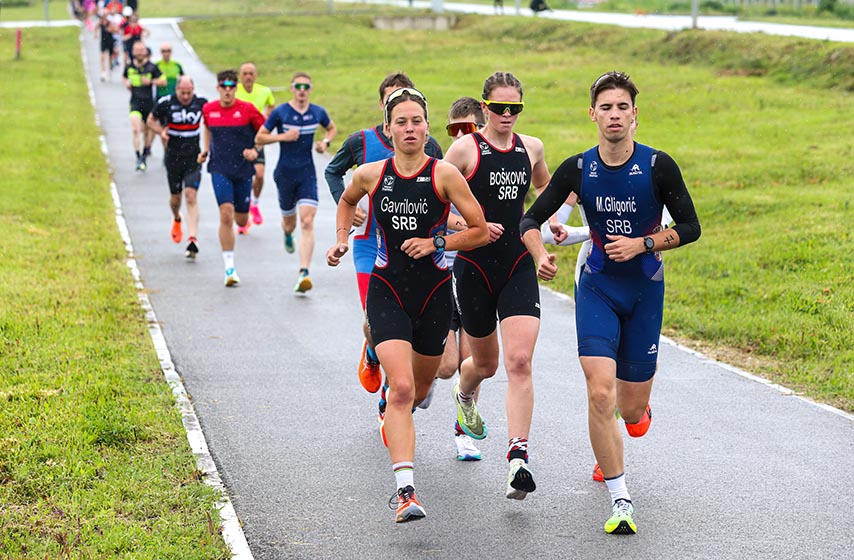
755, 123
94, 461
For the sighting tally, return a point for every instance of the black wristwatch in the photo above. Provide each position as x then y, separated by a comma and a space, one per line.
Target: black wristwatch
648, 244
439, 243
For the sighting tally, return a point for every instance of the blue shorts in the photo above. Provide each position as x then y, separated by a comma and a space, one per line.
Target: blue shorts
229, 190
296, 186
619, 317
364, 254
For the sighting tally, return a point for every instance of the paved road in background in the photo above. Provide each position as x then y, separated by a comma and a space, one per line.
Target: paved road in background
731, 468
648, 21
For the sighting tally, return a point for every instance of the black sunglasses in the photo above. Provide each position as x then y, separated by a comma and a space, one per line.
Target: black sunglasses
228, 84
501, 107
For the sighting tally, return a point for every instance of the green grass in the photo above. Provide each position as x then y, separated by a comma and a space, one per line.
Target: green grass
93, 457
20, 10
34, 11
768, 286
94, 461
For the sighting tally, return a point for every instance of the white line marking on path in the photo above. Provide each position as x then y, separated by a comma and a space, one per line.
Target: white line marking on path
740, 372
232, 533
177, 29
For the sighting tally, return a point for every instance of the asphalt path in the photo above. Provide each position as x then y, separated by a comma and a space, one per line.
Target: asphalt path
639, 20
636, 20
731, 468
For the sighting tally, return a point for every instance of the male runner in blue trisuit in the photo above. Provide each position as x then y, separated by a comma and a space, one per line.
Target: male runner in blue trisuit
623, 187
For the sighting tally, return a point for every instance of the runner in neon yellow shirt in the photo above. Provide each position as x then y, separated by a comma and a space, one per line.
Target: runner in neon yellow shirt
172, 69
262, 98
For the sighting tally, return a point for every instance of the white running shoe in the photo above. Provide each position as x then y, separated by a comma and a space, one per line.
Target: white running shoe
231, 278
466, 449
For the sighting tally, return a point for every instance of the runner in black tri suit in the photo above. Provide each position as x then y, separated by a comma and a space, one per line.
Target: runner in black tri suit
141, 76
408, 303
499, 280
622, 187
365, 146
178, 118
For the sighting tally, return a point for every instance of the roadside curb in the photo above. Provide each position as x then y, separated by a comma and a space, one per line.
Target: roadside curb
232, 532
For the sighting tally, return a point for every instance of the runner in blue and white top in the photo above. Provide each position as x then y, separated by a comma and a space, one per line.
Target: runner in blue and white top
296, 123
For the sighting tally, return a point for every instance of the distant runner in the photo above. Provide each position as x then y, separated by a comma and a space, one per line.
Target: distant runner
262, 97
140, 77
229, 139
178, 118
297, 122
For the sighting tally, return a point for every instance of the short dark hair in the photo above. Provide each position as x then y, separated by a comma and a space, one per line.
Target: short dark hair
465, 106
612, 80
300, 75
396, 79
226, 75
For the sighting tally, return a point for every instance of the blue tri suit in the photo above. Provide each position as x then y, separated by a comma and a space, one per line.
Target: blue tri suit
619, 305
294, 175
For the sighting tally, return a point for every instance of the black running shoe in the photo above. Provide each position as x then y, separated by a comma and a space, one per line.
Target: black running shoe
192, 249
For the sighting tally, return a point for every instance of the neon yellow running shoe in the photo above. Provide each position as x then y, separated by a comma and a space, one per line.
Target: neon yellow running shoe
621, 522
470, 420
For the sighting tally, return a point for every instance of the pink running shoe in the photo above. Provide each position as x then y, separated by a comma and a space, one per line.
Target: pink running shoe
256, 215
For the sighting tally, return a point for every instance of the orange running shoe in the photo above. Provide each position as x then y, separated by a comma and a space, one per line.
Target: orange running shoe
642, 427
177, 234
408, 508
597, 473
243, 230
370, 375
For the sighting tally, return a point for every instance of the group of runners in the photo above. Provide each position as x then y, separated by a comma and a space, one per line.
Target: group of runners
233, 130
117, 26
407, 211
444, 251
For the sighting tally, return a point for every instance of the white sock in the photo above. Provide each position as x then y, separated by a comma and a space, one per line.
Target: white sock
254, 200
228, 259
404, 474
617, 488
